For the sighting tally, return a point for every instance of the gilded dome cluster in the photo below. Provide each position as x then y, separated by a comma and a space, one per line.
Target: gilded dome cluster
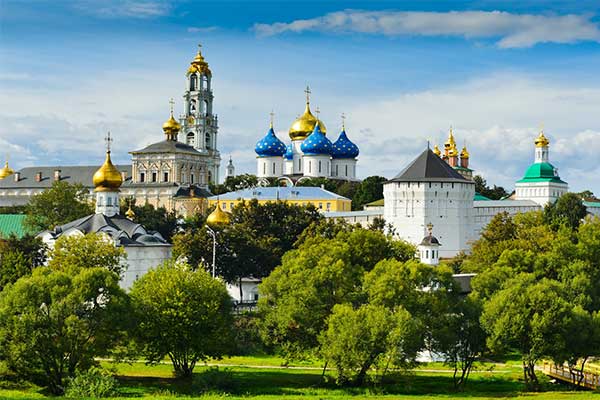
305, 124
270, 145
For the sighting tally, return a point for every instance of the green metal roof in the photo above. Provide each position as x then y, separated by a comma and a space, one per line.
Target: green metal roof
480, 197
12, 224
541, 172
594, 204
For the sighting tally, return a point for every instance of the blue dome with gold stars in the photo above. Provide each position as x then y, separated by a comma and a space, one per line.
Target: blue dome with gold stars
270, 145
343, 147
317, 143
289, 152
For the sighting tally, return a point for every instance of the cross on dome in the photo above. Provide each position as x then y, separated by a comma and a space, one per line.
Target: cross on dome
108, 140
343, 121
307, 91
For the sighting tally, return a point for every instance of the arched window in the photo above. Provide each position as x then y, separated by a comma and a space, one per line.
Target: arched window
193, 82
207, 140
273, 168
346, 169
210, 176
193, 106
190, 139
319, 165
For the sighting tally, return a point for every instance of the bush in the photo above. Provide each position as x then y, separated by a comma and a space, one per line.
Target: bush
94, 382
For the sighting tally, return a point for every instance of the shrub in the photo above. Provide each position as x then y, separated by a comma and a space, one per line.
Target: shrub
214, 380
94, 382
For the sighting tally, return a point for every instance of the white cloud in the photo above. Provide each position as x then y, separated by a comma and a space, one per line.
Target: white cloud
202, 29
125, 8
511, 30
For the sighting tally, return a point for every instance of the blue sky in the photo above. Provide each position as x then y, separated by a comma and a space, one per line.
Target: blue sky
403, 72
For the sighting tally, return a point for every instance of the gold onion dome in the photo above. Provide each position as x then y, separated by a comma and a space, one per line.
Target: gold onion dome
541, 140
305, 125
218, 217
464, 153
450, 142
6, 171
436, 150
171, 125
107, 178
453, 151
129, 213
198, 64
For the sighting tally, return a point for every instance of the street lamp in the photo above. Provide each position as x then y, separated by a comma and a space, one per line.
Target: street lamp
214, 236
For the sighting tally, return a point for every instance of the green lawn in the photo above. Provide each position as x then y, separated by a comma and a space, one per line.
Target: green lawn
266, 381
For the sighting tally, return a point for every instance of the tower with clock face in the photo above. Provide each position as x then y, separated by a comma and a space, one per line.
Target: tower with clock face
199, 125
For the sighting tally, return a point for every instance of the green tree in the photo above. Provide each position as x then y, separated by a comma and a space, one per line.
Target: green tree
369, 190
568, 210
299, 295
53, 323
154, 219
94, 250
233, 183
19, 256
357, 339
182, 314
530, 316
58, 205
481, 187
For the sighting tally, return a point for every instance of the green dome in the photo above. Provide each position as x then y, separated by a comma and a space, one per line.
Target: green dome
541, 172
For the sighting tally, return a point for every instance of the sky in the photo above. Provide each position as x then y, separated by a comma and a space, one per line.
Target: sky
402, 72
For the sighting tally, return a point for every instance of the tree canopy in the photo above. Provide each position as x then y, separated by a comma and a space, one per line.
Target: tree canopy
492, 193
58, 205
182, 314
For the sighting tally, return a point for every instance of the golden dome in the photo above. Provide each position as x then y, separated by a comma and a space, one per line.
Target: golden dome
450, 142
304, 125
129, 213
107, 178
436, 150
541, 140
453, 151
464, 153
6, 171
218, 217
198, 64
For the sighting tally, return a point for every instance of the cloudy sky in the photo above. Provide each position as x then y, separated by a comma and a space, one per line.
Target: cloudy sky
403, 73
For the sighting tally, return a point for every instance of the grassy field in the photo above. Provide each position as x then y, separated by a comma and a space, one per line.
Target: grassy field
263, 378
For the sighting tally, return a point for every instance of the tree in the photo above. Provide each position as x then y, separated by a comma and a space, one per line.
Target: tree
252, 244
233, 183
53, 323
369, 190
530, 316
495, 193
155, 219
299, 295
357, 339
19, 256
93, 250
58, 205
182, 314
568, 210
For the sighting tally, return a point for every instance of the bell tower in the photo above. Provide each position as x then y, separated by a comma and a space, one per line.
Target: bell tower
199, 125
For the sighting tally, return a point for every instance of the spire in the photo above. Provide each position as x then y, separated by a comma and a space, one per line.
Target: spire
171, 127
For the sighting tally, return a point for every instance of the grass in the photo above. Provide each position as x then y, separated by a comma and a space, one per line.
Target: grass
259, 378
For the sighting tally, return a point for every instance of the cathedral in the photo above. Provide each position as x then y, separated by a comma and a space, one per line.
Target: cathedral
310, 154
173, 173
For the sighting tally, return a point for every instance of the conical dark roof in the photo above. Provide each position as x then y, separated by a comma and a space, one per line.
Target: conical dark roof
428, 167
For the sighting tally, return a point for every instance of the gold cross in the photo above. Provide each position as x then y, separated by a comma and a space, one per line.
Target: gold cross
343, 121
172, 103
430, 228
272, 114
317, 111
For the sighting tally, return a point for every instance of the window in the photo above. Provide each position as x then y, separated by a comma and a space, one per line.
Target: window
207, 140
273, 168
189, 139
328, 206
193, 82
346, 170
426, 253
309, 166
224, 206
319, 166
264, 168
165, 177
154, 177
336, 170
320, 206
142, 176
109, 201
231, 206
191, 178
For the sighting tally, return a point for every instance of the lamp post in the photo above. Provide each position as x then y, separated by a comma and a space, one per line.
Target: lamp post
214, 236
